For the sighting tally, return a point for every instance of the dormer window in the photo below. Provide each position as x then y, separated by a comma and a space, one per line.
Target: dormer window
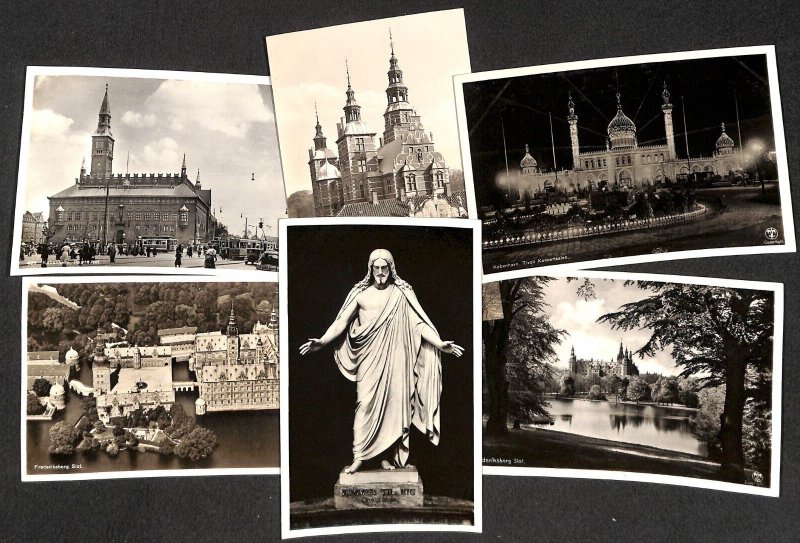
184, 215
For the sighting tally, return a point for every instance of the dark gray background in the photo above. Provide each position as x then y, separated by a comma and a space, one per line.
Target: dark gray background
228, 36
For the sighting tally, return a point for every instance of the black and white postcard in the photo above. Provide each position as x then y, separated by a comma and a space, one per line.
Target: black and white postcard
145, 376
353, 79
380, 388
652, 378
627, 160
140, 171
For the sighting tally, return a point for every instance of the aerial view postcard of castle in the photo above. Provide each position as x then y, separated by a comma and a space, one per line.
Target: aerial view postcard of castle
137, 171
652, 378
380, 375
367, 122
632, 159
140, 377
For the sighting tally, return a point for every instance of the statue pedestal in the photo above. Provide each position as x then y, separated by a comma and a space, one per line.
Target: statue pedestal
400, 487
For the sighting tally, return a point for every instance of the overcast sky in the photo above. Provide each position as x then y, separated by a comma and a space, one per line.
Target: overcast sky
309, 66
226, 129
595, 340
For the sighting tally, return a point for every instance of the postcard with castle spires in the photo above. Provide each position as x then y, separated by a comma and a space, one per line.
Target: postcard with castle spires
634, 377
366, 121
139, 171
626, 160
136, 376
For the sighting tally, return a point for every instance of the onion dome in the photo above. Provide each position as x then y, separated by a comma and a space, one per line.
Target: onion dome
527, 161
724, 141
71, 357
56, 390
621, 129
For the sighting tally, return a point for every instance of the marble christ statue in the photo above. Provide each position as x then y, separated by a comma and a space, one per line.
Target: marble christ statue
389, 347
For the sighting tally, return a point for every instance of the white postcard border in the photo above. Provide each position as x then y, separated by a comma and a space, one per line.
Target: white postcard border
19, 209
477, 526
67, 475
784, 181
777, 380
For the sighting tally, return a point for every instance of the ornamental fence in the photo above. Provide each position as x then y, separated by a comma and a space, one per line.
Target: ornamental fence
534, 236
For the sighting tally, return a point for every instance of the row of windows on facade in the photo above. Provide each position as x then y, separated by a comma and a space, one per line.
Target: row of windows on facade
145, 228
131, 216
623, 160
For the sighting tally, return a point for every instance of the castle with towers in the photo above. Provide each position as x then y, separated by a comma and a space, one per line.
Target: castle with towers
622, 367
401, 175
105, 207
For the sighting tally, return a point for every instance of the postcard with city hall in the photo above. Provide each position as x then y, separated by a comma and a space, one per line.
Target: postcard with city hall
136, 171
632, 159
380, 393
148, 376
367, 121
653, 378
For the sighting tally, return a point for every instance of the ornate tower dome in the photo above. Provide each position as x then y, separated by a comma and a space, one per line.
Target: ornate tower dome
621, 129
528, 163
724, 144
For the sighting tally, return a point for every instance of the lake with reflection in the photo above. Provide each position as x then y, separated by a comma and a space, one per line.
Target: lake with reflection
247, 439
656, 426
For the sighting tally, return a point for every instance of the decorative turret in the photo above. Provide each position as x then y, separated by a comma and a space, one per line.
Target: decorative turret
352, 111
621, 129
320, 142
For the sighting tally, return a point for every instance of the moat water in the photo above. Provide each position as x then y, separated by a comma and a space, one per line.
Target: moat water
665, 427
247, 439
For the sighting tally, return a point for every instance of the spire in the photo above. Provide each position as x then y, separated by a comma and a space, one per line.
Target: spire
621, 353
83, 163
570, 105
665, 94
104, 117
619, 102
352, 110
232, 319
320, 141
197, 181
104, 108
183, 166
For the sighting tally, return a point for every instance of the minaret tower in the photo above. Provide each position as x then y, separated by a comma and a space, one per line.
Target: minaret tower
233, 339
573, 134
102, 141
668, 129
399, 112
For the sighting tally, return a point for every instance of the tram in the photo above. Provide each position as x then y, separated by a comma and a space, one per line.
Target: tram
162, 244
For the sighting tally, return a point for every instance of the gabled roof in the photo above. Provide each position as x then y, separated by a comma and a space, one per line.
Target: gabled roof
384, 208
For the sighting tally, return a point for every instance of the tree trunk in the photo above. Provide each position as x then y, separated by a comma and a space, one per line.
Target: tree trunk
495, 381
730, 433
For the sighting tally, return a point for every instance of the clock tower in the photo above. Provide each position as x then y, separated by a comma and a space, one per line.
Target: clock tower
103, 142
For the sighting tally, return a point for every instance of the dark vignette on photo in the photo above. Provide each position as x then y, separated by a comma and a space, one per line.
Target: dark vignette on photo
324, 263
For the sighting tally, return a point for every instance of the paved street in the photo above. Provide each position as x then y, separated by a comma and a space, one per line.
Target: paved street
161, 260
740, 221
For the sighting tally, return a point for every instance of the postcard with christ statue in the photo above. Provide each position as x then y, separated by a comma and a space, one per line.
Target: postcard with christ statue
381, 391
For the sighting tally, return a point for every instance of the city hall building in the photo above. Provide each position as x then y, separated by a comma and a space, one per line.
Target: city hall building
124, 208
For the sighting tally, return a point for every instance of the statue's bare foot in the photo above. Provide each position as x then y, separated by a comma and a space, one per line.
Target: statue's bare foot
354, 467
385, 464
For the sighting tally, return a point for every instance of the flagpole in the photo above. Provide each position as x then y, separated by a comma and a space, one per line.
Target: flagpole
505, 155
553, 145
686, 136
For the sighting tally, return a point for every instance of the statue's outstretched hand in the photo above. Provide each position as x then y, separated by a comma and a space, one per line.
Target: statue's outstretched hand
449, 347
311, 346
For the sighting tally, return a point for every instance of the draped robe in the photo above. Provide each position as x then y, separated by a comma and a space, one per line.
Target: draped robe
398, 376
